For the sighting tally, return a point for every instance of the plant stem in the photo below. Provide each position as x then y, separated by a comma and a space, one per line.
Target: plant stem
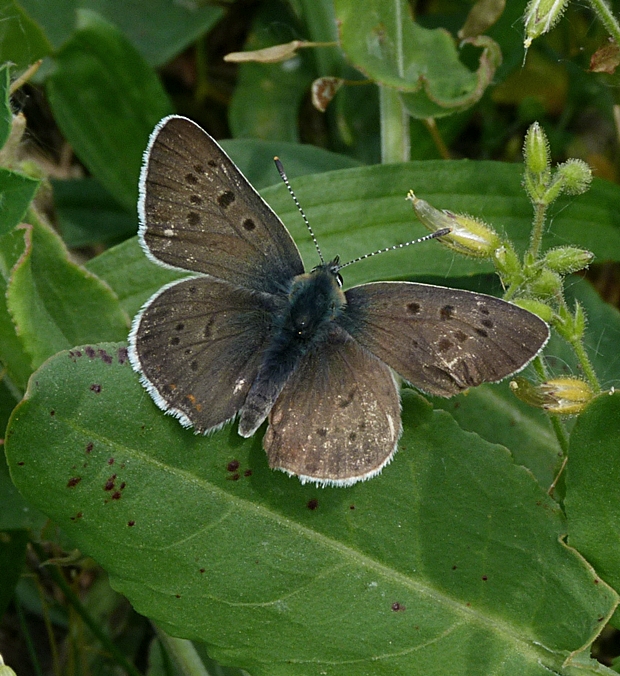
183, 653
537, 230
604, 13
395, 138
586, 365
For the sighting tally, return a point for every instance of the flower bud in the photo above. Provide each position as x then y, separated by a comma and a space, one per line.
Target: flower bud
541, 310
540, 17
467, 236
536, 150
4, 669
576, 176
570, 326
567, 259
547, 284
562, 396
506, 261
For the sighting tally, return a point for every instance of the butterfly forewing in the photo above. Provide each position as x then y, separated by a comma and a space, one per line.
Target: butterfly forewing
442, 340
198, 345
337, 420
199, 213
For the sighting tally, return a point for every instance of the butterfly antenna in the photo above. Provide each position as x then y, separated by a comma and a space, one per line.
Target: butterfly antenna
284, 177
438, 233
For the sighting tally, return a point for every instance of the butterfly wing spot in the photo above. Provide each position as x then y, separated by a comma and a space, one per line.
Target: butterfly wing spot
249, 225
460, 336
195, 199
193, 366
446, 312
191, 179
175, 340
444, 344
192, 400
483, 309
488, 323
348, 400
212, 164
193, 218
322, 431
199, 168
413, 308
481, 332
179, 327
226, 198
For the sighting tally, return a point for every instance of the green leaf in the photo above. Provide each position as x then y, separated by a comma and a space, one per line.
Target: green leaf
159, 29
355, 211
6, 116
13, 545
254, 158
21, 40
15, 360
266, 100
381, 40
593, 488
87, 214
130, 274
453, 546
106, 100
16, 193
56, 304
493, 412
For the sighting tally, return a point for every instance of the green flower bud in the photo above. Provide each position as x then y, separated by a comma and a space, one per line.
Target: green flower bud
561, 396
546, 284
4, 669
540, 17
576, 176
536, 150
567, 259
468, 235
570, 326
506, 261
536, 307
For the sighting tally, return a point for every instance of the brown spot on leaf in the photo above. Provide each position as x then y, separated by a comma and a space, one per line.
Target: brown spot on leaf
74, 481
96, 388
312, 504
233, 466
398, 607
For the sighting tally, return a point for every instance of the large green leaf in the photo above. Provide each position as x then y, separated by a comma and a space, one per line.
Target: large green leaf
21, 40
16, 193
54, 303
454, 555
382, 40
355, 211
593, 487
266, 100
106, 100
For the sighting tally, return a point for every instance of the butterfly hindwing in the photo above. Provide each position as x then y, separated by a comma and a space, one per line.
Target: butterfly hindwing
199, 213
337, 420
442, 340
198, 344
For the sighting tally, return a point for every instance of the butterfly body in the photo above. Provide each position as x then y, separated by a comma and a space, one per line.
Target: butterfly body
253, 335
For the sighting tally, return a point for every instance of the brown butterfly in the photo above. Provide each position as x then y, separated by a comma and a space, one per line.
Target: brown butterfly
252, 334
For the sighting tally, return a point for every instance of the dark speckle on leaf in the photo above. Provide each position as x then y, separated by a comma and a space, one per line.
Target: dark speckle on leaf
52, 412
90, 353
96, 388
122, 355
74, 481
89, 446
398, 607
109, 484
312, 504
248, 472
131, 523
233, 466
234, 477
116, 495
105, 357
484, 578
110, 461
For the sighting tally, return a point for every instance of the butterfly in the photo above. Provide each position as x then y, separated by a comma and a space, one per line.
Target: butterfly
252, 334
